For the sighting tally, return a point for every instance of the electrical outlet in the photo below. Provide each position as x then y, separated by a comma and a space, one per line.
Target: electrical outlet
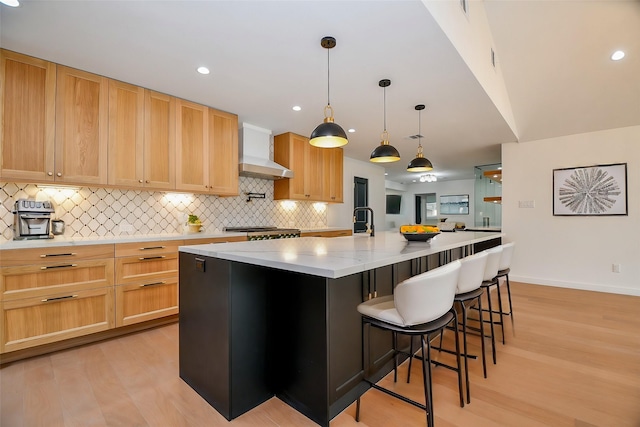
125, 227
615, 268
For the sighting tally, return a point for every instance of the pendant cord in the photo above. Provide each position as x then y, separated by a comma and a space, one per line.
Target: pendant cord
384, 102
419, 128
328, 72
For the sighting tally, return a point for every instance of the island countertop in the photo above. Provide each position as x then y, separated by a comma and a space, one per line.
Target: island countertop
339, 256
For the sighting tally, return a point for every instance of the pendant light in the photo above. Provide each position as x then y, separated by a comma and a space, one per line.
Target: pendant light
328, 134
420, 163
384, 153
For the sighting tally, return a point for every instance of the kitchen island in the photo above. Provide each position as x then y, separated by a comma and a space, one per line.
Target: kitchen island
278, 317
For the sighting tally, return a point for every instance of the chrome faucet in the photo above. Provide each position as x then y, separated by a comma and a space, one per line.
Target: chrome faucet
371, 230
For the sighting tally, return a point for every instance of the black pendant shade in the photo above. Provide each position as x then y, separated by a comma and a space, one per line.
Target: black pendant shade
420, 163
384, 153
328, 134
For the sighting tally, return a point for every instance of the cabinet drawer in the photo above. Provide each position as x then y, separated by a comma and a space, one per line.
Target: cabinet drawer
146, 268
34, 321
188, 242
146, 301
147, 249
52, 255
38, 280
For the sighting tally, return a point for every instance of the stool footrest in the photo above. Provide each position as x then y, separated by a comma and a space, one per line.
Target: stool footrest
398, 396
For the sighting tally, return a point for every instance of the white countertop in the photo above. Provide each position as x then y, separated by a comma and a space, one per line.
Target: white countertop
79, 241
336, 257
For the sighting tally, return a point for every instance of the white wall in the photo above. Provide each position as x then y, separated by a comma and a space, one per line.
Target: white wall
341, 214
571, 251
470, 34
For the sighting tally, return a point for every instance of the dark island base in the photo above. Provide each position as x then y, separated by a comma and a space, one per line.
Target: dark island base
248, 333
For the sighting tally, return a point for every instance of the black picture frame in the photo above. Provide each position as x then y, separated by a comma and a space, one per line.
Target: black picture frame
598, 190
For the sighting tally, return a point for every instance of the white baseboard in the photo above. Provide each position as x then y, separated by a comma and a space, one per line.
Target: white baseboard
575, 285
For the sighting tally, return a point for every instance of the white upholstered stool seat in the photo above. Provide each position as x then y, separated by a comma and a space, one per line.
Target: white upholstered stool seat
503, 272
420, 306
489, 280
469, 288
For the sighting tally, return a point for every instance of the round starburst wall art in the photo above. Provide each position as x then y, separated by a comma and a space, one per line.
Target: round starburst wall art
589, 191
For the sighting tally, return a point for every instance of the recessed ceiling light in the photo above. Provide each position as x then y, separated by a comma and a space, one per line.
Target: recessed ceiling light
12, 3
386, 173
203, 70
617, 55
296, 108
352, 130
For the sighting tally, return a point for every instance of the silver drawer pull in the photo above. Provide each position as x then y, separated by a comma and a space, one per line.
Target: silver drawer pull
151, 257
152, 247
51, 255
59, 298
49, 267
153, 284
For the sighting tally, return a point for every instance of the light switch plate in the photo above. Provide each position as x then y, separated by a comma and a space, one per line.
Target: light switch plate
527, 204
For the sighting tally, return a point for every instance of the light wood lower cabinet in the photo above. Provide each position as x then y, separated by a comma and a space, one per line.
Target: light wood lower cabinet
52, 294
331, 233
35, 321
146, 281
141, 302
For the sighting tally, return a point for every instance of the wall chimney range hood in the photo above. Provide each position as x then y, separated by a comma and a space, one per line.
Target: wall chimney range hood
254, 156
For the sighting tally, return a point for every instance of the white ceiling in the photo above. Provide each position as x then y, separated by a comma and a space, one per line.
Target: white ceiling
265, 57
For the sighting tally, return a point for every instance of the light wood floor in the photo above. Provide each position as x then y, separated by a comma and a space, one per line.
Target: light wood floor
575, 361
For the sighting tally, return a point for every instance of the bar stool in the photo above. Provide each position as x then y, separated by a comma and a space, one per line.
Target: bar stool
503, 271
489, 279
420, 306
469, 289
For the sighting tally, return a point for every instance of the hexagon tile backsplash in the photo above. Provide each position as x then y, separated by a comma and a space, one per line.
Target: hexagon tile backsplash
97, 212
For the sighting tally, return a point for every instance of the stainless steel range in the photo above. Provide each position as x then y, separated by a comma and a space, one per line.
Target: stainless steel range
265, 233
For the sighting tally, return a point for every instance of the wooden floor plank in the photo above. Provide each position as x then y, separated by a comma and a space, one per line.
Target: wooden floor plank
573, 361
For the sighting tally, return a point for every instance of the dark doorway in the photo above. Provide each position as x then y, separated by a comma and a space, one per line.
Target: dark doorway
360, 199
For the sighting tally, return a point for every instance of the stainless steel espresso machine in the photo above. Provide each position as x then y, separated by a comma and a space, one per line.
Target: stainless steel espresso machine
32, 219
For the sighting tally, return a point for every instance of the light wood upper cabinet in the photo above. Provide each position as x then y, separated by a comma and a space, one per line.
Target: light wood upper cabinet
206, 149
81, 127
27, 112
159, 140
126, 147
318, 172
223, 153
333, 175
141, 137
192, 147
307, 163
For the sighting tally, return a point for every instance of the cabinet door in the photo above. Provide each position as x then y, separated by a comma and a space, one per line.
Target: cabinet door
81, 127
290, 150
146, 301
332, 175
43, 320
126, 106
159, 141
27, 117
223, 153
192, 147
313, 172
298, 165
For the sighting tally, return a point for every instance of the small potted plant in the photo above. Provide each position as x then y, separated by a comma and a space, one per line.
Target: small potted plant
194, 223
